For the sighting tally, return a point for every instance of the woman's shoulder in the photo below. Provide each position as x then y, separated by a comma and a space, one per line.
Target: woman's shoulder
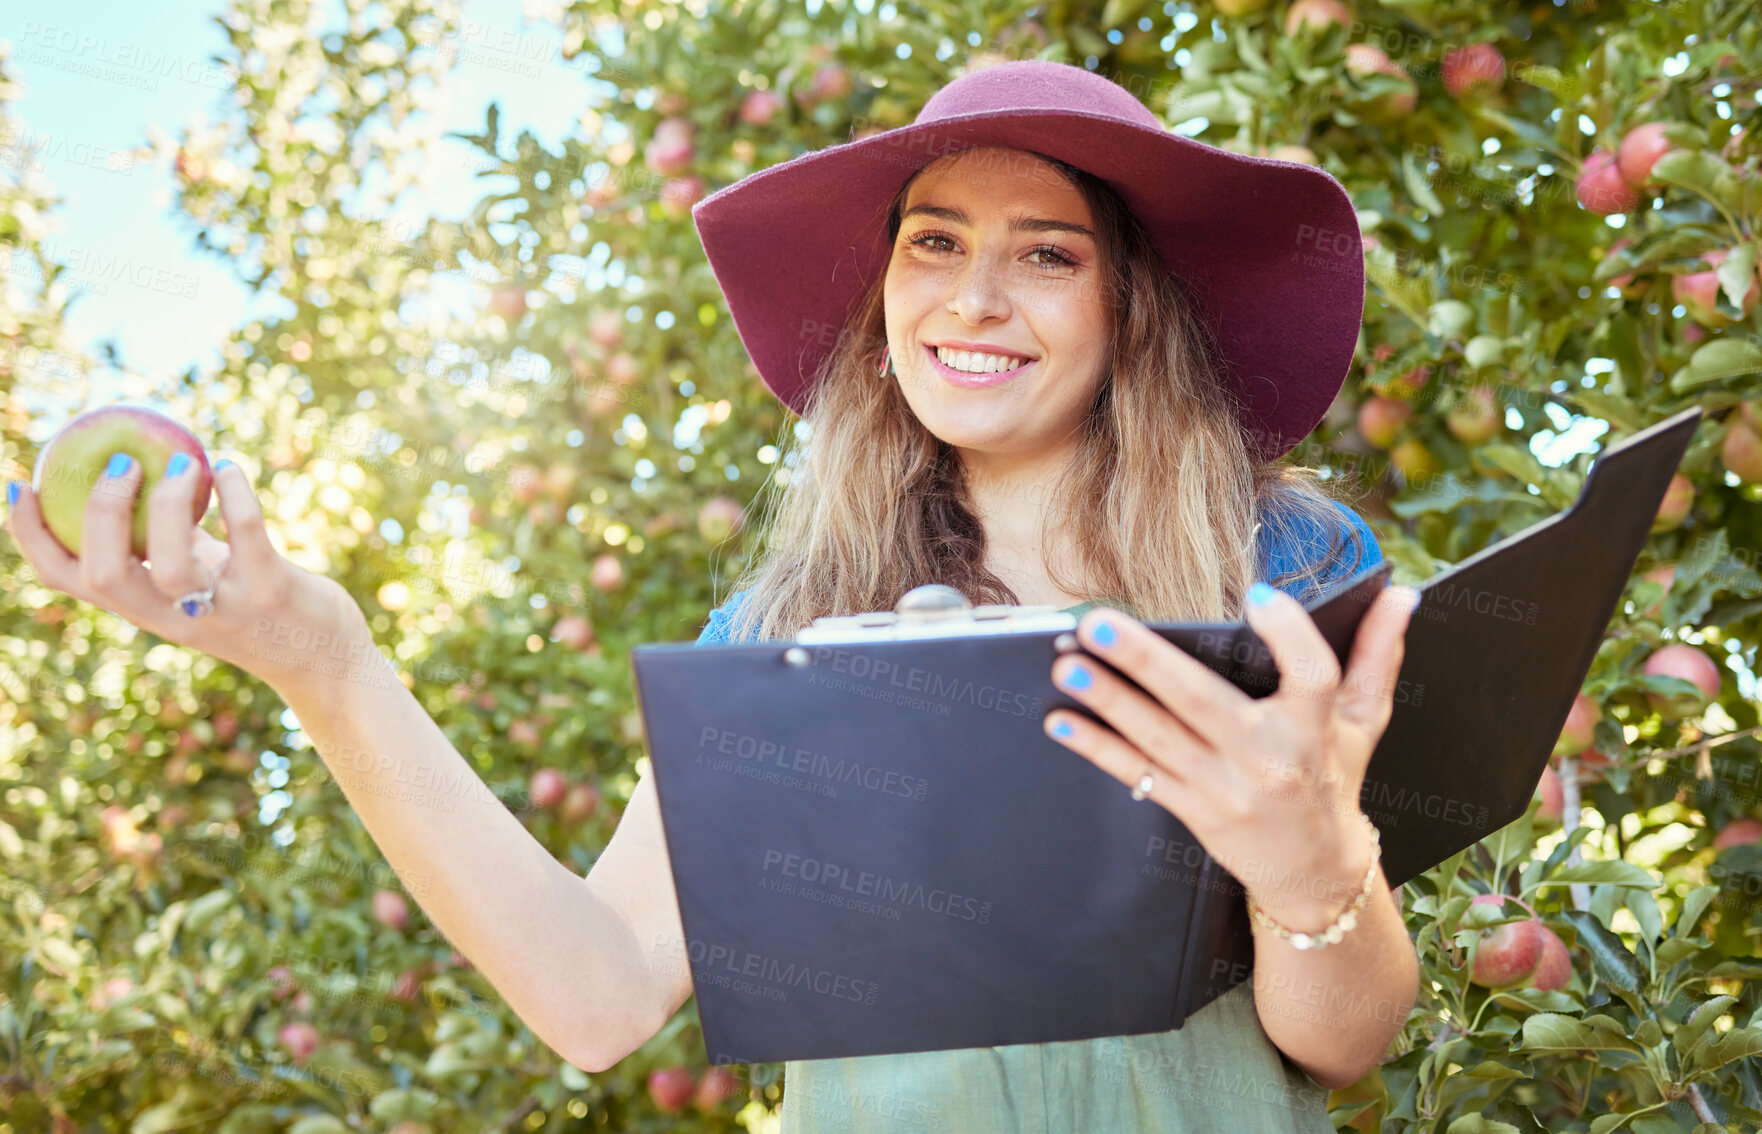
715, 631
1291, 538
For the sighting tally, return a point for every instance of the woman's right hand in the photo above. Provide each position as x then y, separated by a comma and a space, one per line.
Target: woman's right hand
271, 618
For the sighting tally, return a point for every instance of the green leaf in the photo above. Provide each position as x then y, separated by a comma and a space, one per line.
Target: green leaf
1617, 411
1613, 964
1613, 871
1717, 361
1700, 1021
1475, 1124
1512, 460
1737, 274
320, 1124
1418, 188
11, 846
206, 908
1697, 170
1738, 1043
1644, 907
1550, 1031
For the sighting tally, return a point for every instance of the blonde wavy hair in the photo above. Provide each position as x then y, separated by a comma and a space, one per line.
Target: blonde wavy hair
1163, 498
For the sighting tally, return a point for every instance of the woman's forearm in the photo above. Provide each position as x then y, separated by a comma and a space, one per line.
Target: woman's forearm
1335, 1010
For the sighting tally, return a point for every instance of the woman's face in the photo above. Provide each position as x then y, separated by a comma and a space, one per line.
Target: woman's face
996, 250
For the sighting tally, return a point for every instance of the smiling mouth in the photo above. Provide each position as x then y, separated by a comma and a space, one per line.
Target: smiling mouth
974, 377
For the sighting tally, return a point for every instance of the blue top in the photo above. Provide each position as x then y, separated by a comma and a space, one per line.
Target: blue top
1216, 1074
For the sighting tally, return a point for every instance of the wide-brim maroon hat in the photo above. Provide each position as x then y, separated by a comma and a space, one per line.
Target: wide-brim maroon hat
1270, 249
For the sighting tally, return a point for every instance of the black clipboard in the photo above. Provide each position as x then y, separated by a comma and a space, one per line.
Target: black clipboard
879, 851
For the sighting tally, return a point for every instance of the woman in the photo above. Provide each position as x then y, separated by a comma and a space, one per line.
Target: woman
1120, 448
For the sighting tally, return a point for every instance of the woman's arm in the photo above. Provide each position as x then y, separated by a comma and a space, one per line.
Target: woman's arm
576, 958
1334, 1011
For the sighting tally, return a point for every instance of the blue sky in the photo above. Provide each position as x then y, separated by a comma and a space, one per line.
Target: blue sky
99, 75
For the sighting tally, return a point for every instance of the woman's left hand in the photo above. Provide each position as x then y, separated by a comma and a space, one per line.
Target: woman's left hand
1268, 786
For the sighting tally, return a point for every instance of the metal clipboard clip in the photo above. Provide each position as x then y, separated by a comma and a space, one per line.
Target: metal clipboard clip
934, 610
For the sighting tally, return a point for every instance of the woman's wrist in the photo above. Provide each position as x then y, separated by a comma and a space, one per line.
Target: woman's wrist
1319, 898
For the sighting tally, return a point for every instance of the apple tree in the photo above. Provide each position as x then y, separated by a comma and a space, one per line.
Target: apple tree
528, 438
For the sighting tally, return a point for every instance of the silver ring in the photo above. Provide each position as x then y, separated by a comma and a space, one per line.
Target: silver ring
1145, 783
197, 603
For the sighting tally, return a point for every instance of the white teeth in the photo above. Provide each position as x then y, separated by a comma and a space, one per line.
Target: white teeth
973, 362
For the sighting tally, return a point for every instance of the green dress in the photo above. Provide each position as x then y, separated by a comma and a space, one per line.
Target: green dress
1216, 1074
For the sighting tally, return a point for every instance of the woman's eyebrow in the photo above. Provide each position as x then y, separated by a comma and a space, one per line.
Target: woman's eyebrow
1017, 222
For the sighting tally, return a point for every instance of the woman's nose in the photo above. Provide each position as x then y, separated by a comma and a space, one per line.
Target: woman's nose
978, 291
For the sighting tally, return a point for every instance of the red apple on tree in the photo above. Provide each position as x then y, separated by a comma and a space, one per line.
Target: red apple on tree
1580, 728
1505, 954
547, 787
831, 81
1364, 60
1478, 64
1601, 188
1554, 971
679, 194
110, 992
759, 107
574, 631
1476, 417
670, 1088
283, 979
72, 463
719, 518
579, 802
1679, 497
622, 369
1553, 795
1692, 665
717, 1085
1301, 154
1380, 420
1639, 151
1317, 14
1414, 460
606, 327
523, 731
1699, 292
390, 909
1741, 451
1740, 832
672, 148
607, 572
300, 1039
509, 301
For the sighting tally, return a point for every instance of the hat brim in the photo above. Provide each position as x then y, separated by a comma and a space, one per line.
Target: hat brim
1271, 249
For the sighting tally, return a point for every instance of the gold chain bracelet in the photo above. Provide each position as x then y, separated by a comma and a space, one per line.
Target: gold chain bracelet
1348, 917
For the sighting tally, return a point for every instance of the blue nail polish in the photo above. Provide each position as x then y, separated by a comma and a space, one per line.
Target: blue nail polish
1063, 728
1105, 634
1078, 678
178, 463
120, 464
1260, 594
11, 493
221, 464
